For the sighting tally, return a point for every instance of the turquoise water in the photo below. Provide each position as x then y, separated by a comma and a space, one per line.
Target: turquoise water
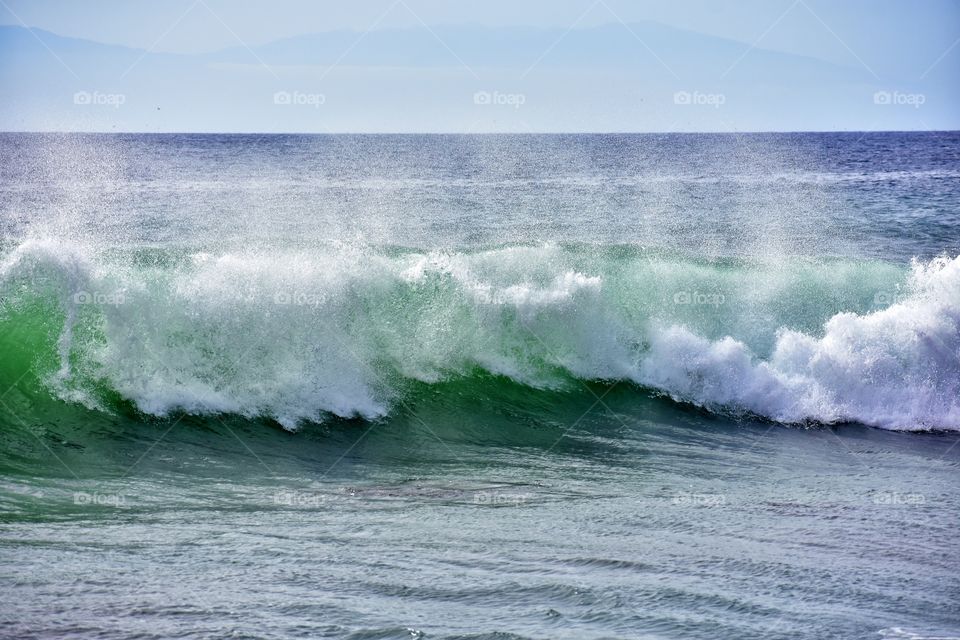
484, 387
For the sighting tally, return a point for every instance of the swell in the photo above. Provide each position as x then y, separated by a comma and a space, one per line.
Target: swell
349, 330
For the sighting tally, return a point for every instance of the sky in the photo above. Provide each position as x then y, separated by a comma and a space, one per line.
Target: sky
562, 65
868, 26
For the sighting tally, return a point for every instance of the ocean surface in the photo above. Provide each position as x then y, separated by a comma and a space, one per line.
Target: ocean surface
486, 387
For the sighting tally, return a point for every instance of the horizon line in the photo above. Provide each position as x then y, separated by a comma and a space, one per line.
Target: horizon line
470, 133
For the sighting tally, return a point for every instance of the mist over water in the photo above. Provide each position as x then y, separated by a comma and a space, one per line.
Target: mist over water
756, 195
762, 274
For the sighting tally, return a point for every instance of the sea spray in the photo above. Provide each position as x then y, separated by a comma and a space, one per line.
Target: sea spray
346, 331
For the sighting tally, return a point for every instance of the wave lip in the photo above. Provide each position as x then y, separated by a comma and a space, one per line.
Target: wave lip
345, 330
897, 368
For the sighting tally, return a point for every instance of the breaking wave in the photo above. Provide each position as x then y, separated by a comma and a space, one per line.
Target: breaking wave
345, 330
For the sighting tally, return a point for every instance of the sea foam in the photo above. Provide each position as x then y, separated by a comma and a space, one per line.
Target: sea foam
345, 330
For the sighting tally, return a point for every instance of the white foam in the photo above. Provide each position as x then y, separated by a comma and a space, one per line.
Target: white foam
343, 331
897, 368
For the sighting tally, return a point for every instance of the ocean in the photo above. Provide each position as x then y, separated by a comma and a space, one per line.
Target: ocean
480, 386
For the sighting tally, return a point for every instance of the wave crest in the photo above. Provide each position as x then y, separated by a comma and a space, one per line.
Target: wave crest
344, 330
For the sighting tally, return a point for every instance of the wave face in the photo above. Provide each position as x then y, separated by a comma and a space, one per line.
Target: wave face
348, 330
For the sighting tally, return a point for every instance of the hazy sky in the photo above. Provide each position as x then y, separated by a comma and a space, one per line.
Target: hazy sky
910, 47
867, 27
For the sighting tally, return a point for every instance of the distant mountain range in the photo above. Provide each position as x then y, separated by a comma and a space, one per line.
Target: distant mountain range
636, 77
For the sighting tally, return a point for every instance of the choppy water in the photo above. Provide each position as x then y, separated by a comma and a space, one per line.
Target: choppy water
460, 386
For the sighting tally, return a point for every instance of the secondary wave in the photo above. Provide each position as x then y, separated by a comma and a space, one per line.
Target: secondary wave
345, 330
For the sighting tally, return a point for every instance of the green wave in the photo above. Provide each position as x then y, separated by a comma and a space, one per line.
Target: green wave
355, 331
